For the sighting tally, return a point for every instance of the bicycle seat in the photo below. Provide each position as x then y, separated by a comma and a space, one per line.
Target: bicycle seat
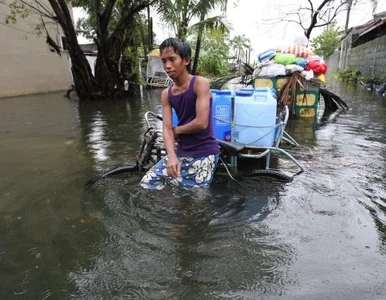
231, 148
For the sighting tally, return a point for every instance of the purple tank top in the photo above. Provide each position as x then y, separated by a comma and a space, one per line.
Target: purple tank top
197, 144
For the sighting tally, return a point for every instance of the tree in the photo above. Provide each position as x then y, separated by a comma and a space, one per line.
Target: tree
326, 43
180, 13
213, 60
115, 26
240, 45
139, 39
313, 14
114, 33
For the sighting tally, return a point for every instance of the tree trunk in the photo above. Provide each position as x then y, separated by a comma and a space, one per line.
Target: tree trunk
84, 82
198, 45
149, 31
183, 30
144, 40
110, 47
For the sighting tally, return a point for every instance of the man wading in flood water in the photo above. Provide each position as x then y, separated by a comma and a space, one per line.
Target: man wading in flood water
193, 162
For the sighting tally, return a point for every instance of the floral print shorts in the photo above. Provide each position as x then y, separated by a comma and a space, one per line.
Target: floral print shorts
195, 172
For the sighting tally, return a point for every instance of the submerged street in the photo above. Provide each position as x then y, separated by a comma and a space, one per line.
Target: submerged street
322, 236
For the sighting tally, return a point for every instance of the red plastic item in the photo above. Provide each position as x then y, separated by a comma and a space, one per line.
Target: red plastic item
317, 66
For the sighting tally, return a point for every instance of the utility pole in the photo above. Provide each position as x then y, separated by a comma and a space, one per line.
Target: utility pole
349, 5
345, 41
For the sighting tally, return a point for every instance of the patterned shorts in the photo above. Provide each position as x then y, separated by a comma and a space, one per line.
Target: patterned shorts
195, 173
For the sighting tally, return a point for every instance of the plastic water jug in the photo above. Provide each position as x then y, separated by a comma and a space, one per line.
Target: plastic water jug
266, 90
174, 118
247, 90
255, 119
266, 55
222, 115
213, 92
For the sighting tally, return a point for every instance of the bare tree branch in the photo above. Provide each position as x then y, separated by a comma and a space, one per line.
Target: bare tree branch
45, 8
308, 16
314, 19
37, 10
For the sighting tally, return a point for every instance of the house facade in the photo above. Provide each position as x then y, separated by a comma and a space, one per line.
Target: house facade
363, 49
27, 64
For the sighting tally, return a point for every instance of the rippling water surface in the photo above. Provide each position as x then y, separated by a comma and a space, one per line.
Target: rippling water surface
321, 236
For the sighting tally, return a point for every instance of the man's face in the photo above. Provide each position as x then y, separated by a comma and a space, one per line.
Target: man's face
173, 64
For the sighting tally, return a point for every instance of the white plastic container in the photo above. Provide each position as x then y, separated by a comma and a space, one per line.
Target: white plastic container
265, 90
255, 118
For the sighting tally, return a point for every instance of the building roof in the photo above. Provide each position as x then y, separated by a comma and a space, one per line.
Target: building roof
378, 20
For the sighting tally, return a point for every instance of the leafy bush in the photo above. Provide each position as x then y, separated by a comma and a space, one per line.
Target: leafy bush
348, 74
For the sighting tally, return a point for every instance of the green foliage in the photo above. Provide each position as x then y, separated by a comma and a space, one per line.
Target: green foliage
382, 78
239, 44
178, 14
17, 10
86, 27
350, 75
130, 70
325, 44
347, 74
213, 60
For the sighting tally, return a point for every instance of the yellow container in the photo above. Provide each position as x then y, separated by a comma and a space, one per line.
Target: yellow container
306, 99
264, 82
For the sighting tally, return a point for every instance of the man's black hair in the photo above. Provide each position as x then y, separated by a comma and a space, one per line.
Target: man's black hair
180, 47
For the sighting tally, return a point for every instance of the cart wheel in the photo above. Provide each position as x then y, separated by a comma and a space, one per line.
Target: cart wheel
116, 171
266, 173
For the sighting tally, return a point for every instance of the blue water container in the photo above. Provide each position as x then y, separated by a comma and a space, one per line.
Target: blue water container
267, 55
255, 119
213, 92
222, 115
174, 118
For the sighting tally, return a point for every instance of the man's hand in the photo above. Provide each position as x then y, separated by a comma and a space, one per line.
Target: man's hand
173, 166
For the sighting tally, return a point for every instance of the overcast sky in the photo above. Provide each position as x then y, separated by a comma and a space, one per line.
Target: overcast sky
248, 16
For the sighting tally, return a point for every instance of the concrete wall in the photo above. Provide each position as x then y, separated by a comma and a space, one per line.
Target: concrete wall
27, 64
333, 63
369, 58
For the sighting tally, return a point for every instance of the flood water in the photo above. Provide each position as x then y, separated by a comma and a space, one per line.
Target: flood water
322, 236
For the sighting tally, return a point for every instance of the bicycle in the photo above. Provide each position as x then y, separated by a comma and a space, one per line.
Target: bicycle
152, 150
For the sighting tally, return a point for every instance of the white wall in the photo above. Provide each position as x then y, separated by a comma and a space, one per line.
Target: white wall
27, 64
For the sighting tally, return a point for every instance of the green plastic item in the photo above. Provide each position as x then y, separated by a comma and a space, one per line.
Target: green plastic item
285, 59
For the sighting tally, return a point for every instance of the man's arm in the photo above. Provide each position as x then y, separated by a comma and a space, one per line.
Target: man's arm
168, 134
201, 121
173, 165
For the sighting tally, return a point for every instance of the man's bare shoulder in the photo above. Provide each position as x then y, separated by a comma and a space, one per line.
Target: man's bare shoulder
165, 91
201, 85
202, 80
165, 96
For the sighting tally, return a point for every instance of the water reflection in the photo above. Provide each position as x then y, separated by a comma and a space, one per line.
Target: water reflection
107, 130
178, 244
